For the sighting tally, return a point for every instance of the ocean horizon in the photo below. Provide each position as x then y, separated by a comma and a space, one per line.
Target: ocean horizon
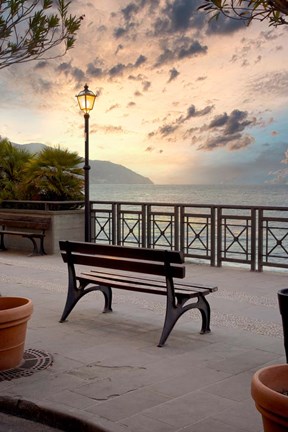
258, 195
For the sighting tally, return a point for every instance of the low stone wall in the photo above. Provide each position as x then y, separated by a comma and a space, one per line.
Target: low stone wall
65, 225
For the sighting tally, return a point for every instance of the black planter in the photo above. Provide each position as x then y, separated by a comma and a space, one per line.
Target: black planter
283, 306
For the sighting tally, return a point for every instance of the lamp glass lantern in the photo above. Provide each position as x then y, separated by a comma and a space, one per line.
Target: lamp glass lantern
86, 99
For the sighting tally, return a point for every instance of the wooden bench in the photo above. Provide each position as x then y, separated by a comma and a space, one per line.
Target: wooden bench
134, 269
28, 226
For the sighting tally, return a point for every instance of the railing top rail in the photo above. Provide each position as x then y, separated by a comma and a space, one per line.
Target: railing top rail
42, 202
162, 204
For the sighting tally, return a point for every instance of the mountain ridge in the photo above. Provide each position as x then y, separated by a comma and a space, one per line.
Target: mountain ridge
101, 172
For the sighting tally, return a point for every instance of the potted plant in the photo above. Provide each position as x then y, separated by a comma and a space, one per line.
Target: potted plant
14, 315
269, 390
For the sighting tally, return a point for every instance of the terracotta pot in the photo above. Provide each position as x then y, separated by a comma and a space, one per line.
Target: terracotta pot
14, 315
266, 388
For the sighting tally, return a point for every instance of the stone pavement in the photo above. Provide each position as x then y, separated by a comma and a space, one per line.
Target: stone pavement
109, 371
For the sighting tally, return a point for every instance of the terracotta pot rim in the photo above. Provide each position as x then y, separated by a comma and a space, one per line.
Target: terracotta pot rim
19, 307
271, 399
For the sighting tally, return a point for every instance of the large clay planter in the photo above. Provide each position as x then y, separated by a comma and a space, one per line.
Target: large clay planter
266, 388
14, 315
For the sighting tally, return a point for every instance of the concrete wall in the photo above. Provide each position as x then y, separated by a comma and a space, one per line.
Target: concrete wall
65, 225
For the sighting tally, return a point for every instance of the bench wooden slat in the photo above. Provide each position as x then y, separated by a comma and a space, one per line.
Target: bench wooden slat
123, 252
122, 264
125, 285
181, 285
29, 222
22, 233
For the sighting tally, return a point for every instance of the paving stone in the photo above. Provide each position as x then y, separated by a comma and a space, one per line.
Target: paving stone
189, 409
142, 423
128, 404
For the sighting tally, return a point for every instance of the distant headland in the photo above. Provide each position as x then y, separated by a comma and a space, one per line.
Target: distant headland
101, 172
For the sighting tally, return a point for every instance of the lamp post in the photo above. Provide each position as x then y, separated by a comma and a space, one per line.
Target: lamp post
86, 99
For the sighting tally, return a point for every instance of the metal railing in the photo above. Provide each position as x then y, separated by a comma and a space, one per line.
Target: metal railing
251, 235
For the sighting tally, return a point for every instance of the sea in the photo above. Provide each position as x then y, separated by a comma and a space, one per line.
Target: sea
257, 195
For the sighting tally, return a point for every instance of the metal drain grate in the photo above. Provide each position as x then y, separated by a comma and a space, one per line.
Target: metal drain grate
33, 361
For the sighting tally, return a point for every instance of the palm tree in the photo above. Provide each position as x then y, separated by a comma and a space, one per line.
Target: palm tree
55, 175
12, 162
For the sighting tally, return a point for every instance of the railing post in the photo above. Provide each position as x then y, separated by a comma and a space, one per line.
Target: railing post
219, 236
144, 224
93, 223
213, 236
253, 239
149, 225
260, 240
118, 224
176, 227
113, 223
182, 228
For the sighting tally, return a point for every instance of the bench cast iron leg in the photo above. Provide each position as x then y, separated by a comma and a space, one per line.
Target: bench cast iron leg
35, 247
75, 294
2, 245
42, 250
204, 308
173, 313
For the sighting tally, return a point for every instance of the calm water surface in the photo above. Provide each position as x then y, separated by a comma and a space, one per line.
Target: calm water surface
269, 195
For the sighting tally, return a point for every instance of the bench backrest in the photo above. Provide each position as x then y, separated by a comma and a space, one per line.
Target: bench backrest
139, 260
25, 221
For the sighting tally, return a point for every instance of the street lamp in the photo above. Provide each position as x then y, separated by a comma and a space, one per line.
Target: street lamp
86, 99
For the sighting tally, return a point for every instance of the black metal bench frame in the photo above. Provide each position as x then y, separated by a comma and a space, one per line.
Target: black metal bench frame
36, 225
132, 265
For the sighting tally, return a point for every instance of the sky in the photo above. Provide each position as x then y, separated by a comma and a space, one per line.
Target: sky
180, 100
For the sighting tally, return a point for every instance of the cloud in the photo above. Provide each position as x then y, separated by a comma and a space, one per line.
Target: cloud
171, 128
109, 129
193, 112
94, 71
117, 70
181, 49
201, 78
193, 49
173, 74
146, 85
119, 48
76, 73
140, 60
224, 25
149, 149
130, 10
168, 129
112, 107
231, 142
41, 65
272, 83
228, 131
237, 121
41, 85
171, 17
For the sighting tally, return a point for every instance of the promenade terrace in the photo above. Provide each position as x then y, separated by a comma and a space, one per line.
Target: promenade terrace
107, 368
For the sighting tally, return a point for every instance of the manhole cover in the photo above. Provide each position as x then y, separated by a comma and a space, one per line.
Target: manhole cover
33, 361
